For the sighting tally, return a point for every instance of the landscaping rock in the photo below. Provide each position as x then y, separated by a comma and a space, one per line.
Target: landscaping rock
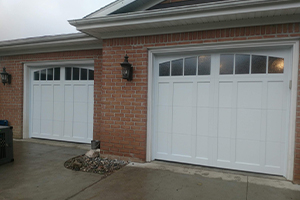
93, 153
95, 163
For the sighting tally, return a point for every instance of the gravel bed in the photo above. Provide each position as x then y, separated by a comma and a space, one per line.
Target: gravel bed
98, 165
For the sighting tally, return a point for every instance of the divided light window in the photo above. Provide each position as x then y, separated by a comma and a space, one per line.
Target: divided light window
250, 64
76, 74
49, 74
190, 66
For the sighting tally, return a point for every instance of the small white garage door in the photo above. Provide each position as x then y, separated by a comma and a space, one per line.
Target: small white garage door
62, 103
227, 110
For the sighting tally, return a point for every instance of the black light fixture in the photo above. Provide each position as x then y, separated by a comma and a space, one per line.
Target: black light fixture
127, 69
5, 77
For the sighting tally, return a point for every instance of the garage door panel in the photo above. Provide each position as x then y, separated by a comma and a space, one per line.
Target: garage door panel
182, 120
47, 92
36, 126
46, 127
90, 112
80, 112
91, 94
90, 130
80, 93
225, 94
250, 95
202, 150
183, 94
224, 153
164, 119
249, 124
162, 143
58, 128
69, 96
58, 111
36, 111
163, 94
36, 92
68, 128
204, 90
248, 152
204, 117
181, 145
58, 91
224, 122
47, 110
69, 112
275, 125
273, 154
275, 95
80, 130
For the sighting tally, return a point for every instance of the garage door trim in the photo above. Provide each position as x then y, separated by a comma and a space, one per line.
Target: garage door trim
154, 52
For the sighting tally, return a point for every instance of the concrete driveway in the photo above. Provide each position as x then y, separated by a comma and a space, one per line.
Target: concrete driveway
38, 173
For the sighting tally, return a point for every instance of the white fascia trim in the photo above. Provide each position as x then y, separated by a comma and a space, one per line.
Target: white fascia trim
185, 12
49, 44
293, 43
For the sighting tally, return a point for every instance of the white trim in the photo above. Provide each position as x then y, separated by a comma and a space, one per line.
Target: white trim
185, 18
149, 107
293, 111
68, 42
294, 44
27, 81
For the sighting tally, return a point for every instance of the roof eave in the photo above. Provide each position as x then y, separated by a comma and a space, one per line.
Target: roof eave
138, 20
45, 44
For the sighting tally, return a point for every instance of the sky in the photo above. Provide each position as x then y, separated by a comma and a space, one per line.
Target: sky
31, 18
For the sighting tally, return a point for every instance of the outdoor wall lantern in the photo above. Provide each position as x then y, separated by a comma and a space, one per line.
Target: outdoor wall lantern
5, 77
127, 69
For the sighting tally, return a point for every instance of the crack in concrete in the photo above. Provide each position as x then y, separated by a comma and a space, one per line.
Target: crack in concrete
74, 195
247, 189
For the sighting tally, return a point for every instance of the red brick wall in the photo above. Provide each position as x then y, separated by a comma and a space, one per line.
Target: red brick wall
122, 125
11, 95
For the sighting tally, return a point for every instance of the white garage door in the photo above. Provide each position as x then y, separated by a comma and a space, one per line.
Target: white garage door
62, 103
226, 110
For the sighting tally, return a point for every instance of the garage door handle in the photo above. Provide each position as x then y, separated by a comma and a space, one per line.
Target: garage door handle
290, 85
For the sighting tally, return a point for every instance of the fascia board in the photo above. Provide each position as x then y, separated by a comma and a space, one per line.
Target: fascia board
43, 45
110, 8
181, 13
192, 27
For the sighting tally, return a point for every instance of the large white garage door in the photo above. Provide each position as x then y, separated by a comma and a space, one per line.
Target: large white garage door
226, 110
62, 103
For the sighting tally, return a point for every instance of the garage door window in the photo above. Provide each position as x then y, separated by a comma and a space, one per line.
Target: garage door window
276, 65
204, 65
177, 67
226, 63
49, 74
242, 64
186, 66
250, 64
190, 66
259, 64
76, 74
